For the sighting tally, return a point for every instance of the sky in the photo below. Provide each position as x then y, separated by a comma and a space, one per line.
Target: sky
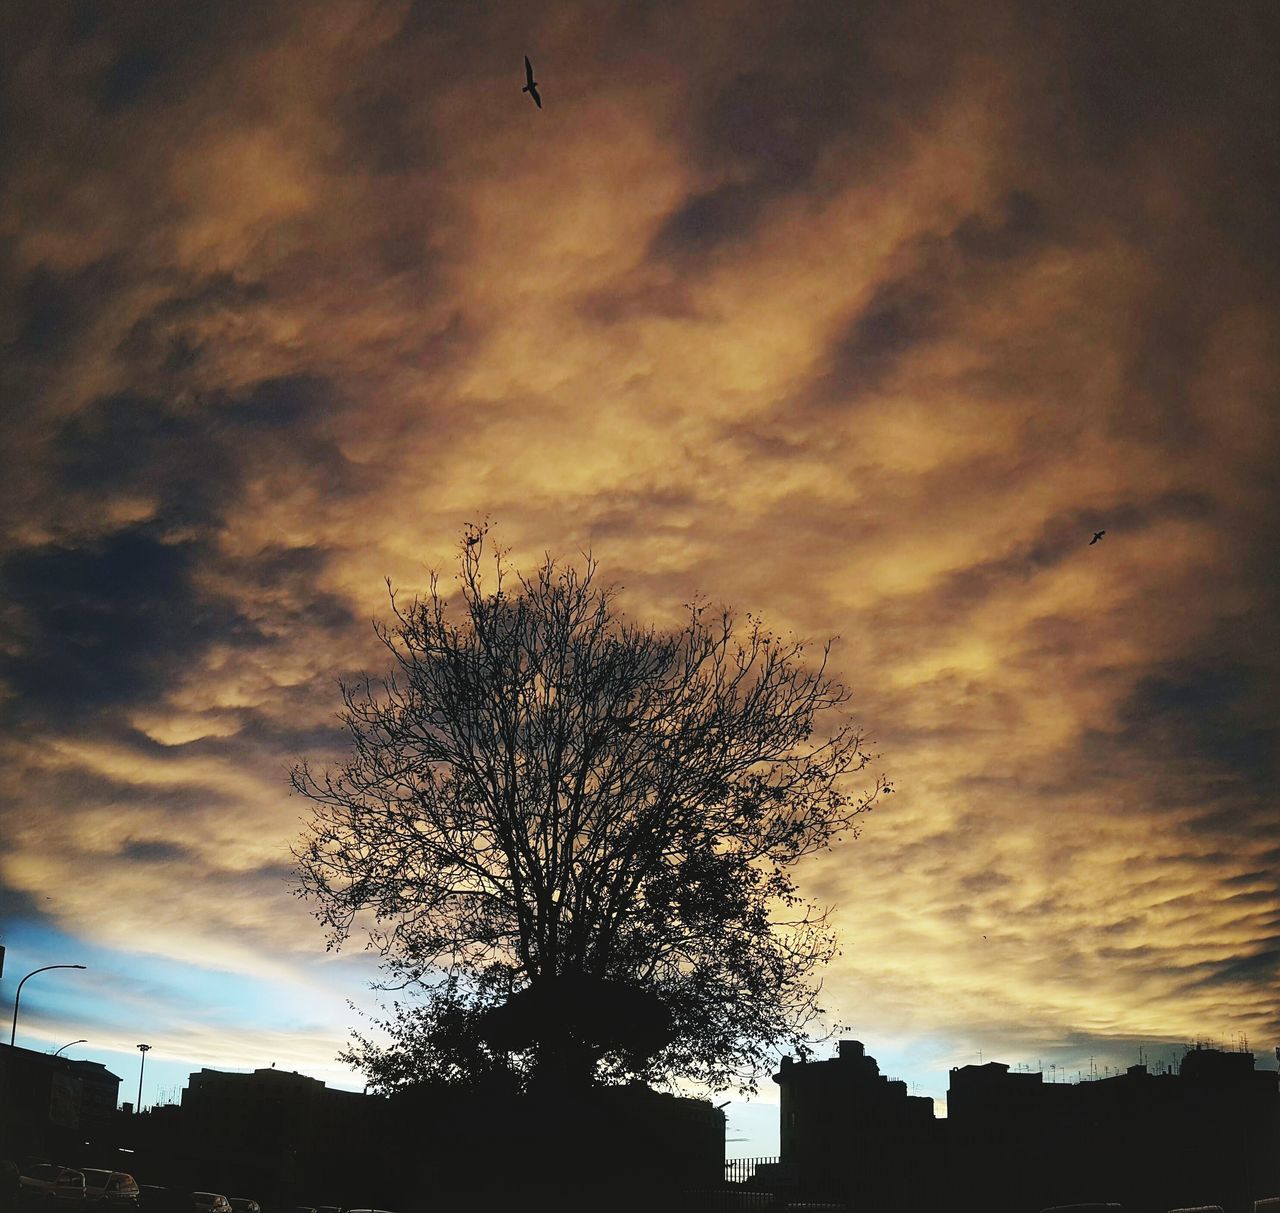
860, 316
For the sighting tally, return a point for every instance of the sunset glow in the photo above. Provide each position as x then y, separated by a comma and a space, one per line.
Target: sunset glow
863, 318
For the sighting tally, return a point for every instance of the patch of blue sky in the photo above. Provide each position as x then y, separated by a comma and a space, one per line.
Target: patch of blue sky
118, 988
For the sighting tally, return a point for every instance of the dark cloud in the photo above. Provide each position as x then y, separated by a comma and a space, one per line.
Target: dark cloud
1257, 875
1217, 713
280, 403
1060, 538
813, 78
170, 334
268, 875
154, 851
633, 299
90, 789
1259, 968
383, 134
900, 317
985, 882
935, 281
102, 622
158, 50
135, 444
290, 575
1118, 81
194, 455
128, 78
1163, 367
1133, 72
56, 307
20, 906
707, 220
1020, 227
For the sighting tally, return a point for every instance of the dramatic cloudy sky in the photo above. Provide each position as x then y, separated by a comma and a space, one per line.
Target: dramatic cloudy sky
861, 315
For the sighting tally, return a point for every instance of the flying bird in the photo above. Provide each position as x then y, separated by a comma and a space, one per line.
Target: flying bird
1096, 536
531, 87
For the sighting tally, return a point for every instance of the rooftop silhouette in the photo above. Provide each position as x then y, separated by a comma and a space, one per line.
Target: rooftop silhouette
1207, 1134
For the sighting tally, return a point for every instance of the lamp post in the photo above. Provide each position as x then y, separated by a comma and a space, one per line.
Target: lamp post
69, 1043
14, 1032
144, 1050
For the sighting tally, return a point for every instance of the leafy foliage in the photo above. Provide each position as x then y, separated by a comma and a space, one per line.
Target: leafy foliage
542, 793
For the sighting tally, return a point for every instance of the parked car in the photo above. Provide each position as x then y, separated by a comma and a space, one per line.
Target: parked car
157, 1199
48, 1182
1087, 1207
242, 1204
209, 1202
109, 1187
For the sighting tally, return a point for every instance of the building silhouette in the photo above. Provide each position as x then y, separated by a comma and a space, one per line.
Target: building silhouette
287, 1140
50, 1103
845, 1127
1207, 1134
268, 1134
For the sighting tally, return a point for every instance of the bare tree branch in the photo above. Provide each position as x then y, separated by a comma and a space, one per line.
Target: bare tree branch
541, 792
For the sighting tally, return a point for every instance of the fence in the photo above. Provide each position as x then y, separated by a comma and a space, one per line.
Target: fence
743, 1170
762, 1183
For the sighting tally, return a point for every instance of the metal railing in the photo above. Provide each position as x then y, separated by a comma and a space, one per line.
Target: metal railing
743, 1170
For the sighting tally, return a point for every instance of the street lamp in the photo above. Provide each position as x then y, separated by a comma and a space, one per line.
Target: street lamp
69, 1043
14, 1032
144, 1050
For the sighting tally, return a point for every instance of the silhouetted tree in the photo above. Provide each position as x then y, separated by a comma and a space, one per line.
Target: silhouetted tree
572, 837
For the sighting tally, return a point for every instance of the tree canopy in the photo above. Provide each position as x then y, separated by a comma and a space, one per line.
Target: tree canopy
572, 837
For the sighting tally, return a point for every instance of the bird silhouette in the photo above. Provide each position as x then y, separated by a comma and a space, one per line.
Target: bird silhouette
531, 87
1096, 536
472, 540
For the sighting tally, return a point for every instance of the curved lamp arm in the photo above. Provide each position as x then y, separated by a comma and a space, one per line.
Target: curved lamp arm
18, 995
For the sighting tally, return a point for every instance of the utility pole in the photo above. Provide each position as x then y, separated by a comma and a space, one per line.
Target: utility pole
144, 1050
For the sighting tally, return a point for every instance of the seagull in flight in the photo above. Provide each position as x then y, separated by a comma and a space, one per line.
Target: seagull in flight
1096, 536
531, 86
